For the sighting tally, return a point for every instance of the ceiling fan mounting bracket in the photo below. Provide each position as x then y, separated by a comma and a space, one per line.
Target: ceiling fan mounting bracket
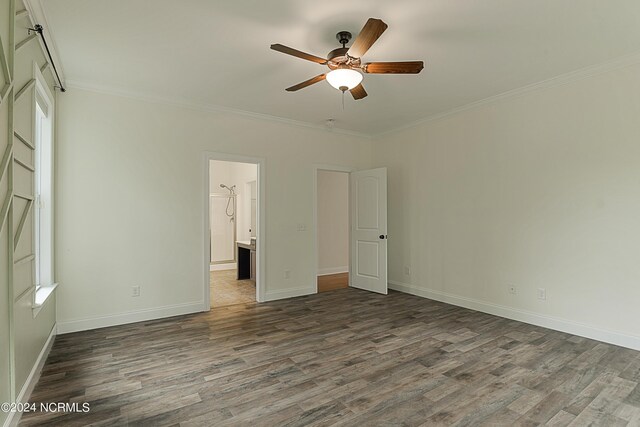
344, 37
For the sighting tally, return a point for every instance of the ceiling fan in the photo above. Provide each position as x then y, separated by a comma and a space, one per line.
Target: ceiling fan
344, 62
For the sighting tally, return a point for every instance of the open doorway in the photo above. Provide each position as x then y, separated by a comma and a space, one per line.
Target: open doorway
332, 225
232, 232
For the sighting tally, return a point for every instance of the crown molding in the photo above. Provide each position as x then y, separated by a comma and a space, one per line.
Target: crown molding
38, 16
212, 108
560, 80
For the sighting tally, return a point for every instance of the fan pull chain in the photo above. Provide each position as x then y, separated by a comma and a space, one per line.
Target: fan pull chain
343, 100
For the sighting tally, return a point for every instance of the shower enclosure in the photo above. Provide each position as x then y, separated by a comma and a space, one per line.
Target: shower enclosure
222, 208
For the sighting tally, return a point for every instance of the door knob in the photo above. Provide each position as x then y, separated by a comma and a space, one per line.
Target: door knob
383, 236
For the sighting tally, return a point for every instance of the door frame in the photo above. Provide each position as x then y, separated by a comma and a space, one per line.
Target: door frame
329, 168
260, 221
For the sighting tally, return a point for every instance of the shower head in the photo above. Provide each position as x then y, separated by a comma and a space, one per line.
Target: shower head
228, 188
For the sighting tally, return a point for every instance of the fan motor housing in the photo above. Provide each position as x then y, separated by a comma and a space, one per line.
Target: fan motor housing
338, 58
338, 54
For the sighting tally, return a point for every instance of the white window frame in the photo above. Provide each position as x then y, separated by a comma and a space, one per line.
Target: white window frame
43, 131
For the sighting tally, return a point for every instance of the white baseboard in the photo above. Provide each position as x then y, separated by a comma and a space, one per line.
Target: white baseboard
332, 270
289, 293
558, 324
77, 325
219, 267
32, 379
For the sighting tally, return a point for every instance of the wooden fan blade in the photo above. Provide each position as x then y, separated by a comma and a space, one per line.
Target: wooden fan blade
306, 83
358, 92
371, 31
298, 54
409, 67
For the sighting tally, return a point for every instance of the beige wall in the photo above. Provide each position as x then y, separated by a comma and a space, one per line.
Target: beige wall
22, 337
131, 203
333, 222
534, 191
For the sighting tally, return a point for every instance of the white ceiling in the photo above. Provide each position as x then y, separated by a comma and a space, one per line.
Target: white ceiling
217, 52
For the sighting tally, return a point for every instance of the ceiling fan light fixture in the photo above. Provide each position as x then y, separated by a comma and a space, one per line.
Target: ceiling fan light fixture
344, 79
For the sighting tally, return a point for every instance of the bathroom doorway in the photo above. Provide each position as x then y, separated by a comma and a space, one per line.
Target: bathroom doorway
232, 232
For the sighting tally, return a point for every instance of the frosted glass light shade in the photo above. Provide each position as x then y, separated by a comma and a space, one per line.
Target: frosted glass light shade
344, 77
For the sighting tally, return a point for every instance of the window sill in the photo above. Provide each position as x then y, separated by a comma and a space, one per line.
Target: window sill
41, 296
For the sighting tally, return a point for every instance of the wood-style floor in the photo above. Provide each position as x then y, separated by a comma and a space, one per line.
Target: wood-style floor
331, 282
346, 357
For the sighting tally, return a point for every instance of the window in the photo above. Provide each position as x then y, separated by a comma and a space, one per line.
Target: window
43, 191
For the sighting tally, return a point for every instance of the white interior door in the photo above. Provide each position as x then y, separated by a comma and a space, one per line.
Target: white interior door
369, 230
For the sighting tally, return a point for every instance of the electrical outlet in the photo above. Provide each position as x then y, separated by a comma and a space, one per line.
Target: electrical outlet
512, 290
542, 293
302, 227
287, 274
135, 291
407, 270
